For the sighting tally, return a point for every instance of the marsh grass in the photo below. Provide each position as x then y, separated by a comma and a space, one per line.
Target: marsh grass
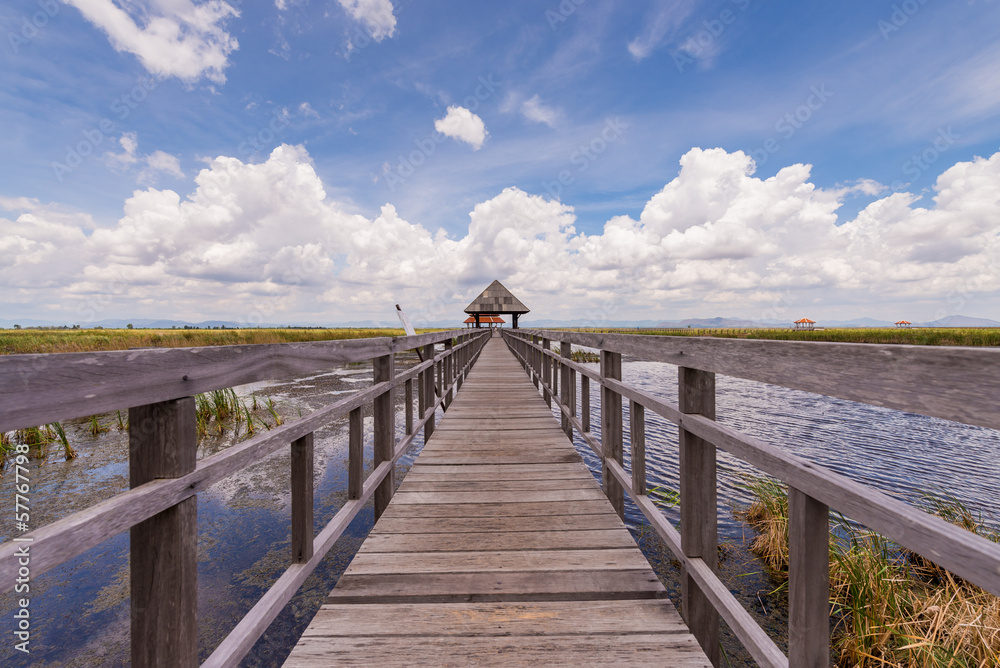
936, 336
85, 340
891, 606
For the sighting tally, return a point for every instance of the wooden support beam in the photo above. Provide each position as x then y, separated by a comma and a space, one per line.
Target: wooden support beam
567, 395
355, 454
546, 373
585, 402
808, 581
302, 499
611, 430
448, 366
408, 391
637, 438
384, 414
163, 443
428, 383
699, 531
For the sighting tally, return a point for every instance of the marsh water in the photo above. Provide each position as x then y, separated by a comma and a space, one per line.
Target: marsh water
80, 613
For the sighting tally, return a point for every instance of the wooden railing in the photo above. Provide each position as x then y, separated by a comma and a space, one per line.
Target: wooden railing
160, 509
959, 384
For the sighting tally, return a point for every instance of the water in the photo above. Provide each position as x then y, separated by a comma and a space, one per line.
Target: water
80, 610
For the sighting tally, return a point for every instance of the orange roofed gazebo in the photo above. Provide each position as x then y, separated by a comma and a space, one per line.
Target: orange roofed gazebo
903, 323
490, 319
494, 301
805, 323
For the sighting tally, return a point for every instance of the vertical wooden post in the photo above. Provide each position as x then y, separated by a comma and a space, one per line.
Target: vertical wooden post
585, 402
546, 373
302, 499
428, 394
808, 581
533, 356
459, 371
408, 391
611, 429
567, 426
448, 364
384, 414
637, 437
163, 443
355, 454
699, 533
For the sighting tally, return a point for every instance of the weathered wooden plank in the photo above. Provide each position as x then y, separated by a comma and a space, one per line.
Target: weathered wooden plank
553, 539
492, 619
571, 650
384, 420
37, 389
520, 496
517, 523
950, 382
577, 585
493, 485
521, 509
540, 458
699, 499
808, 581
611, 429
163, 443
302, 499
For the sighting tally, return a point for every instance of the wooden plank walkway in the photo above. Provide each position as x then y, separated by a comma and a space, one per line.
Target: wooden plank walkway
498, 548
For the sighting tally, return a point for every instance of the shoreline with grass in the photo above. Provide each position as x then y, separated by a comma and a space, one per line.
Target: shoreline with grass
32, 341
889, 606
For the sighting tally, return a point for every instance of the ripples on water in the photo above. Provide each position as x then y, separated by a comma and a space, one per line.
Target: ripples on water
900, 454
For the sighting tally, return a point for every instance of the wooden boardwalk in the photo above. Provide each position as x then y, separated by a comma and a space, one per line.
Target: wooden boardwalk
498, 548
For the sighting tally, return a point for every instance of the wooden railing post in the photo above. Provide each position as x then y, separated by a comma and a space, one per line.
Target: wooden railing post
428, 386
699, 532
533, 356
567, 395
384, 415
448, 365
808, 581
637, 439
546, 373
611, 429
163, 443
355, 454
302, 499
585, 402
408, 392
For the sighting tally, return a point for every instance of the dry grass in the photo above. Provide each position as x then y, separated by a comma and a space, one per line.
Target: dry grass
86, 340
892, 608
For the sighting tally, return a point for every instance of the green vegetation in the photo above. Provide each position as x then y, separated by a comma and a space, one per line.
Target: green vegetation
892, 607
943, 336
85, 340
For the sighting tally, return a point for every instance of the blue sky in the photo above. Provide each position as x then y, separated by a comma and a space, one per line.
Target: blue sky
319, 161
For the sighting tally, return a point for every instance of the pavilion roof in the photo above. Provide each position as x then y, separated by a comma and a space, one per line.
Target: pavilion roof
496, 299
804, 320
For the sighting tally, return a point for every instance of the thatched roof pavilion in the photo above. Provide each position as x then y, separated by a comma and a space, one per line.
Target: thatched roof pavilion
496, 300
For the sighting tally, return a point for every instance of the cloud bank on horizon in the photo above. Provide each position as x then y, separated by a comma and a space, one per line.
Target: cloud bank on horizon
643, 161
715, 236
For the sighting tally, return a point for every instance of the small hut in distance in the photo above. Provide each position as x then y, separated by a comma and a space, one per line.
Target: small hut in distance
903, 324
805, 323
494, 301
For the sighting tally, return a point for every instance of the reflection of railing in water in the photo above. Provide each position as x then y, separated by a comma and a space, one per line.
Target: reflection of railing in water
957, 384
158, 388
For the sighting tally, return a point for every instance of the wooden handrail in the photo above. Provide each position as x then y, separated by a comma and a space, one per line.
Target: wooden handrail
36, 389
965, 390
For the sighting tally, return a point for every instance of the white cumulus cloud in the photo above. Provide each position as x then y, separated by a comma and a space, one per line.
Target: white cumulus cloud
264, 242
375, 15
462, 124
175, 38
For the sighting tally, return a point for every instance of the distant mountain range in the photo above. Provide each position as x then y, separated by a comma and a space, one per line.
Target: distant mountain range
694, 323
